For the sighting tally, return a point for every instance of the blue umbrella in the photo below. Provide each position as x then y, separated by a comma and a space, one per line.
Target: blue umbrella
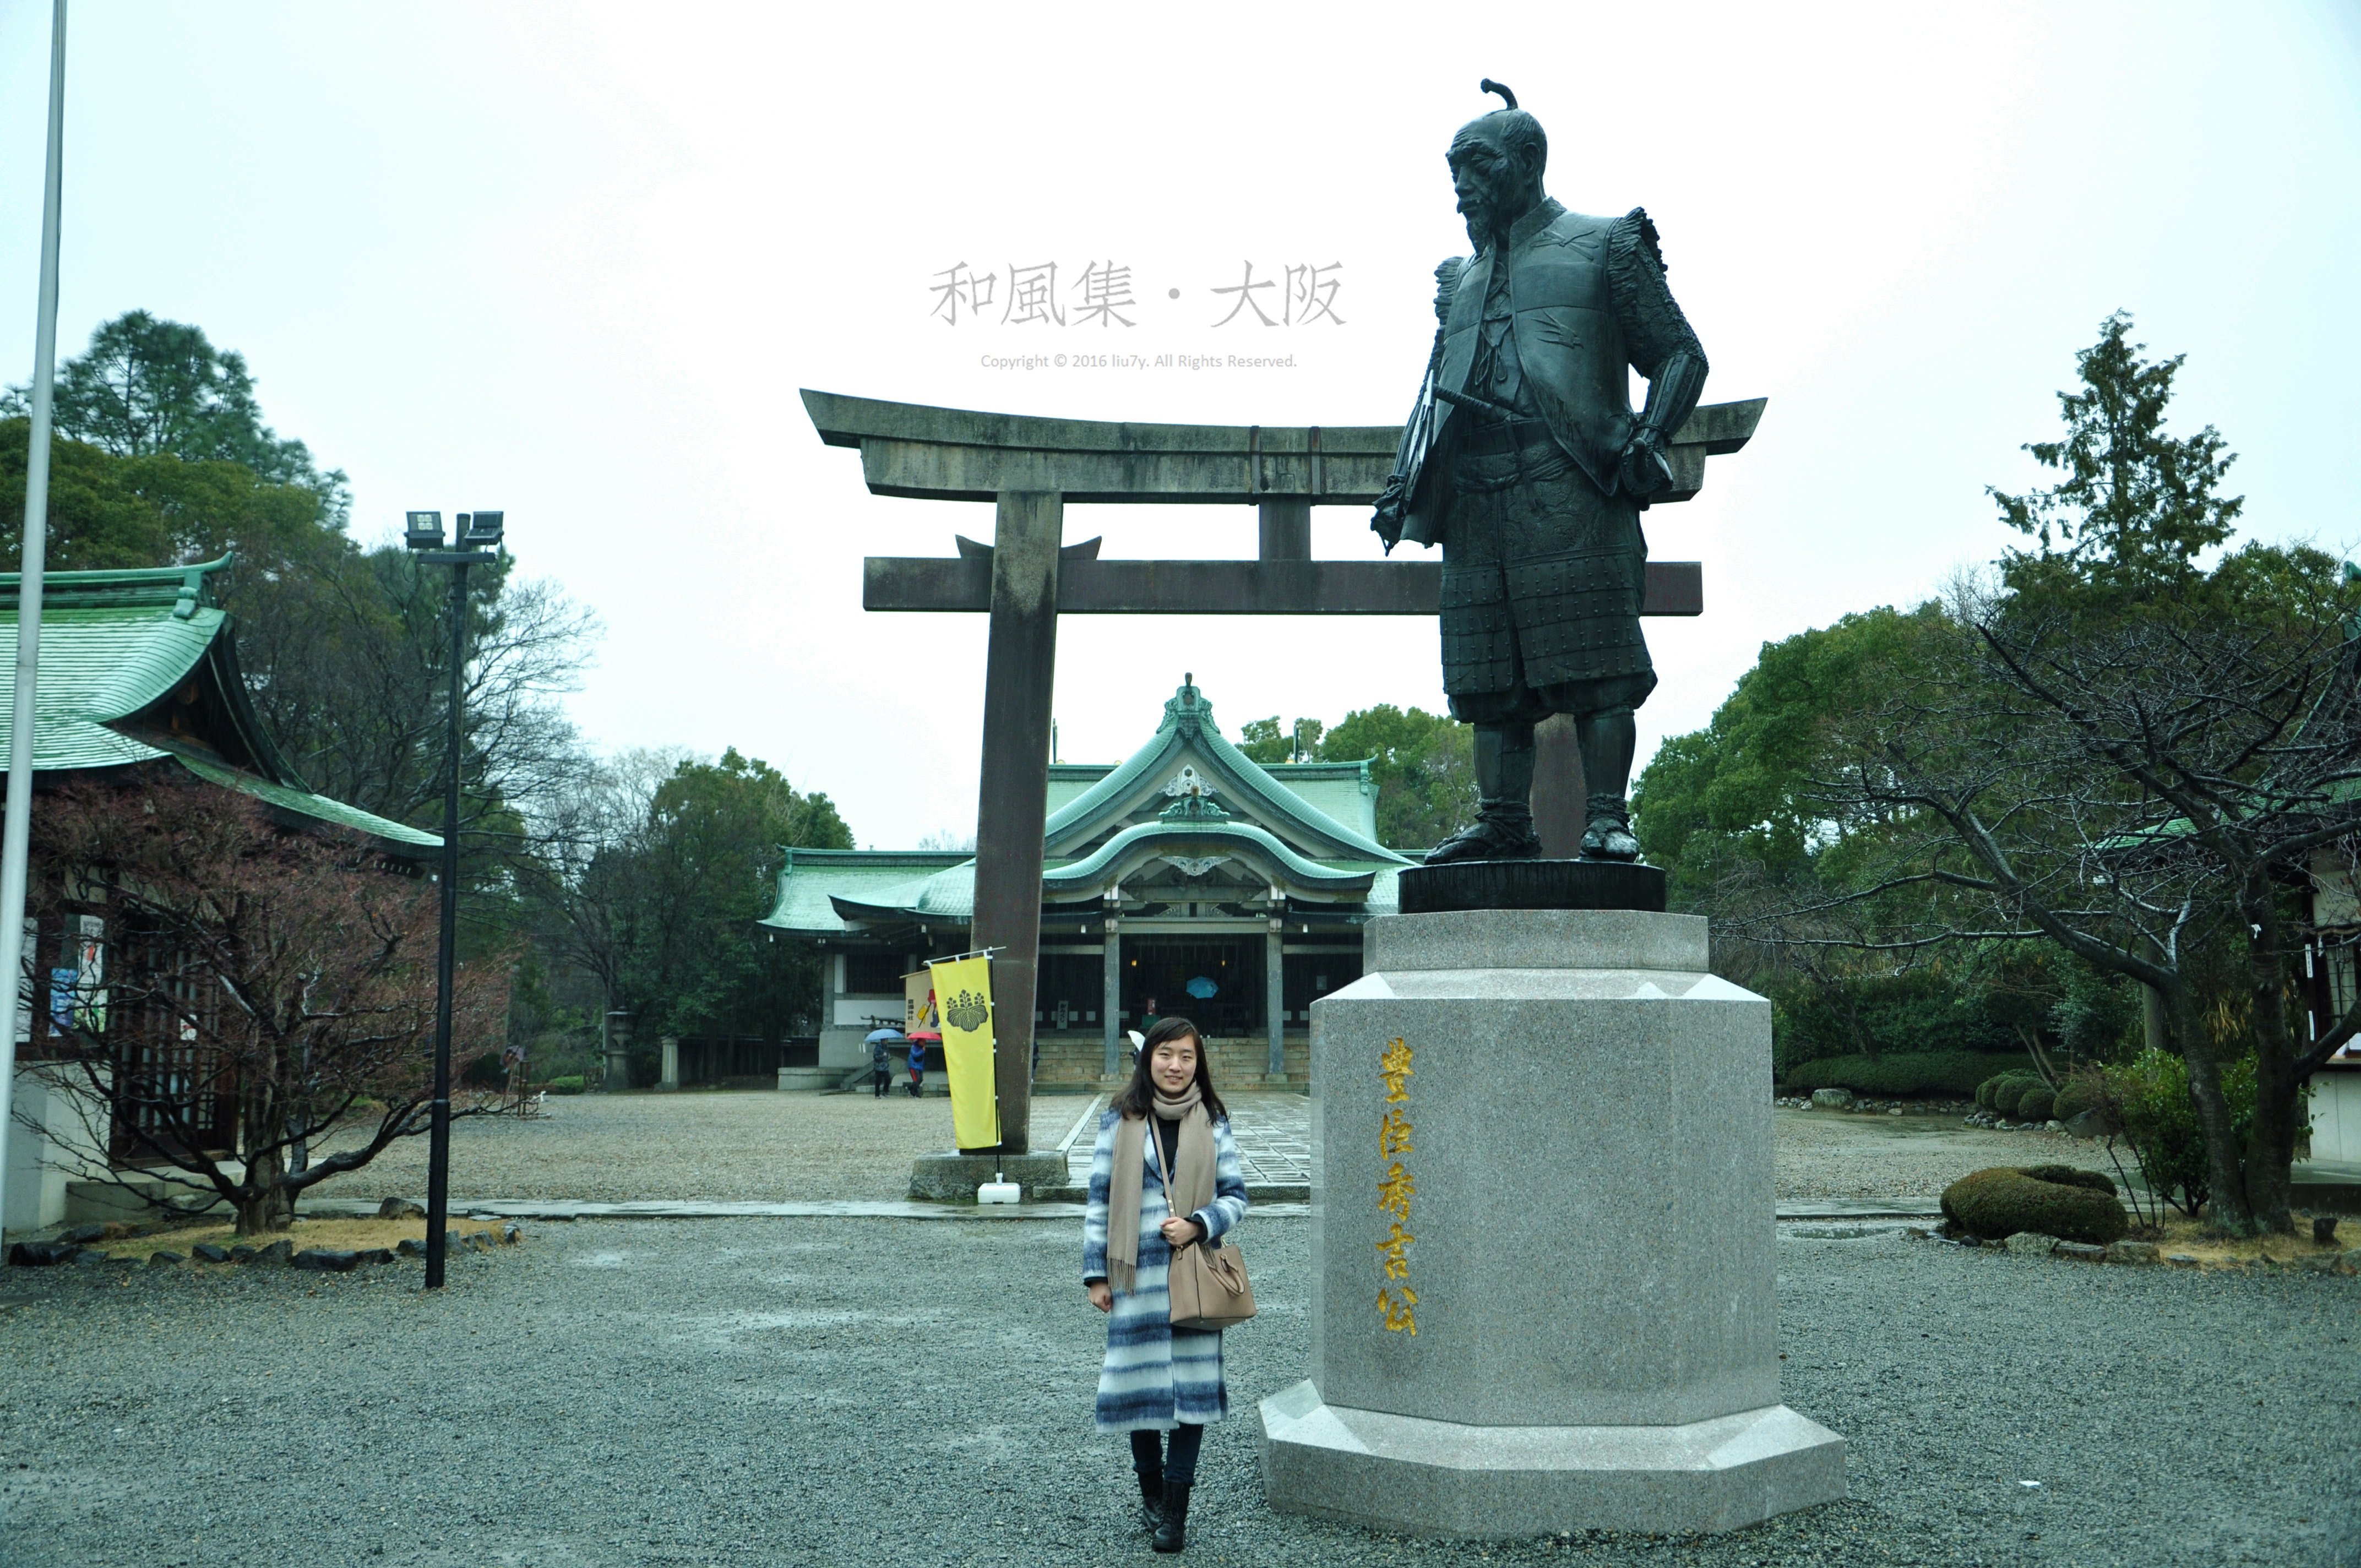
1201, 988
877, 1035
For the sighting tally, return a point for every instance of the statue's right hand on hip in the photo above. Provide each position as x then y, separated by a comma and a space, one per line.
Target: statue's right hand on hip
1645, 470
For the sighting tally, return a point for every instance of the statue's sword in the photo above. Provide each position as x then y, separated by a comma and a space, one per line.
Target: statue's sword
1475, 404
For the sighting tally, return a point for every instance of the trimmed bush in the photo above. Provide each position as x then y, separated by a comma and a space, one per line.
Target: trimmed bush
568, 1085
1900, 1072
2014, 1087
2083, 1092
2001, 1202
2034, 1103
2073, 1176
1987, 1089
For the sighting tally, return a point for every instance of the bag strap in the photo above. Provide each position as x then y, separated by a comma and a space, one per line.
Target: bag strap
1163, 1175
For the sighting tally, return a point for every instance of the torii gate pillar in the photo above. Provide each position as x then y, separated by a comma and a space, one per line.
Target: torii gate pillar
1020, 668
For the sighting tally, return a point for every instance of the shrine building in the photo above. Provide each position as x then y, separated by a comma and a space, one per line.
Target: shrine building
1226, 891
139, 681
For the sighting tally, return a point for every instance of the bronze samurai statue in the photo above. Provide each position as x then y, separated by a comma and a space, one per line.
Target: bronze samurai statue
1524, 461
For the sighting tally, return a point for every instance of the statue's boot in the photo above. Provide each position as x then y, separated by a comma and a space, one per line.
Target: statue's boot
1503, 829
1606, 742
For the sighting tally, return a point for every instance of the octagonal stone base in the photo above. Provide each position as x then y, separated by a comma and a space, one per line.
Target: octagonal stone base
1439, 1478
1544, 1280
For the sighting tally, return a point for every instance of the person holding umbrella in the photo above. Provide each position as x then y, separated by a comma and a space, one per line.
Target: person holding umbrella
881, 1060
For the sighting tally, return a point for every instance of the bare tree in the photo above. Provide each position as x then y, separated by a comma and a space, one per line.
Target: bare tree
2147, 790
589, 878
347, 662
267, 987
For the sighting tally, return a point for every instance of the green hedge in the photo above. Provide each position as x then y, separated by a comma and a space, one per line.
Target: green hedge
2012, 1083
1900, 1072
569, 1085
2082, 1093
2004, 1201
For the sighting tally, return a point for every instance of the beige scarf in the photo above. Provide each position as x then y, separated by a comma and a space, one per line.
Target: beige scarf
1190, 1189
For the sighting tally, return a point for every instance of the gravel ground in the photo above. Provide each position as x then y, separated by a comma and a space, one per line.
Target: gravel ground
736, 1146
1827, 1155
749, 1146
855, 1391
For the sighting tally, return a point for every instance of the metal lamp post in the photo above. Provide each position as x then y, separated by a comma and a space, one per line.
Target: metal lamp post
478, 540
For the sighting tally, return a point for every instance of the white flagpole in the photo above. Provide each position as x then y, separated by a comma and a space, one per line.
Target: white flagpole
15, 840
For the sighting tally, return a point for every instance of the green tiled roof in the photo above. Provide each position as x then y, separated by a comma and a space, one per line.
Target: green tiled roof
96, 665
1189, 724
115, 644
812, 879
304, 803
830, 892
1219, 837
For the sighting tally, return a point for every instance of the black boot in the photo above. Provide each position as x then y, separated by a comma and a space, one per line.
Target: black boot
1172, 1527
1606, 742
1151, 1501
1503, 829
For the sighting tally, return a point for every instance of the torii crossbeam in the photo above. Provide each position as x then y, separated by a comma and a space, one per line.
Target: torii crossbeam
1030, 468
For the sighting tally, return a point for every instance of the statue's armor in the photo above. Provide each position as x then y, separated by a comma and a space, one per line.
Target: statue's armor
1565, 336
1544, 558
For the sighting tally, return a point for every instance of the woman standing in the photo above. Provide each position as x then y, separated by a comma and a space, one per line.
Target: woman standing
1167, 1133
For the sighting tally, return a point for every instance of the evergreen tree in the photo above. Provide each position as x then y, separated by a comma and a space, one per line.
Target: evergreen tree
2137, 505
147, 387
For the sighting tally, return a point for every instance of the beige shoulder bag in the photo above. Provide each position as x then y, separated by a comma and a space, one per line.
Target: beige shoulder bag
1207, 1282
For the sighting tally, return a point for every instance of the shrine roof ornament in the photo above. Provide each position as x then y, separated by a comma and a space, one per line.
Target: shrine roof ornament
1188, 739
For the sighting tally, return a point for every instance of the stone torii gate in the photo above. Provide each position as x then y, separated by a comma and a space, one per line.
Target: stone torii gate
1030, 468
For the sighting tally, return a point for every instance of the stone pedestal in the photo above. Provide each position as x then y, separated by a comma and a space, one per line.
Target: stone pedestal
619, 1053
1543, 1274
953, 1177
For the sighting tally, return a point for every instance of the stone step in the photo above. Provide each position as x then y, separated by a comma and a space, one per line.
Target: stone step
1071, 1059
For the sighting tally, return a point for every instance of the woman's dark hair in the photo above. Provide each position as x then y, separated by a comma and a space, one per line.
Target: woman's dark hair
1139, 1095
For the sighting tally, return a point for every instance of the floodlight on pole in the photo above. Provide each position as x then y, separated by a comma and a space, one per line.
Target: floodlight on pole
15, 836
477, 538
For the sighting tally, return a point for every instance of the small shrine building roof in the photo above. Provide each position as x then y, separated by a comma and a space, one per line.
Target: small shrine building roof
138, 668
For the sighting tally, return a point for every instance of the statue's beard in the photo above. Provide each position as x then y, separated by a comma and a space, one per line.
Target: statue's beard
1481, 213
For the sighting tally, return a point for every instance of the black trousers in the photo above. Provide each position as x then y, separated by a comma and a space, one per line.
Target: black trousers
1177, 1464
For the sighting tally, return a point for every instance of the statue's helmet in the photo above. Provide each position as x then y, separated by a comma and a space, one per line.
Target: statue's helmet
1508, 128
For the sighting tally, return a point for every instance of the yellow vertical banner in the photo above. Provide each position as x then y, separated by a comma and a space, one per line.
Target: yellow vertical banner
963, 1001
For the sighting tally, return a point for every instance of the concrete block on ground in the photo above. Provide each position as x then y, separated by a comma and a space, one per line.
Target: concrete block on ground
953, 1177
128, 1195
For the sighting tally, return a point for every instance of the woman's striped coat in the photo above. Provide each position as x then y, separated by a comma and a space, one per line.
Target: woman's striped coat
1155, 1375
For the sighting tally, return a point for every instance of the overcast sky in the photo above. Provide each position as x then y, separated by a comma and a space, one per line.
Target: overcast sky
574, 262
